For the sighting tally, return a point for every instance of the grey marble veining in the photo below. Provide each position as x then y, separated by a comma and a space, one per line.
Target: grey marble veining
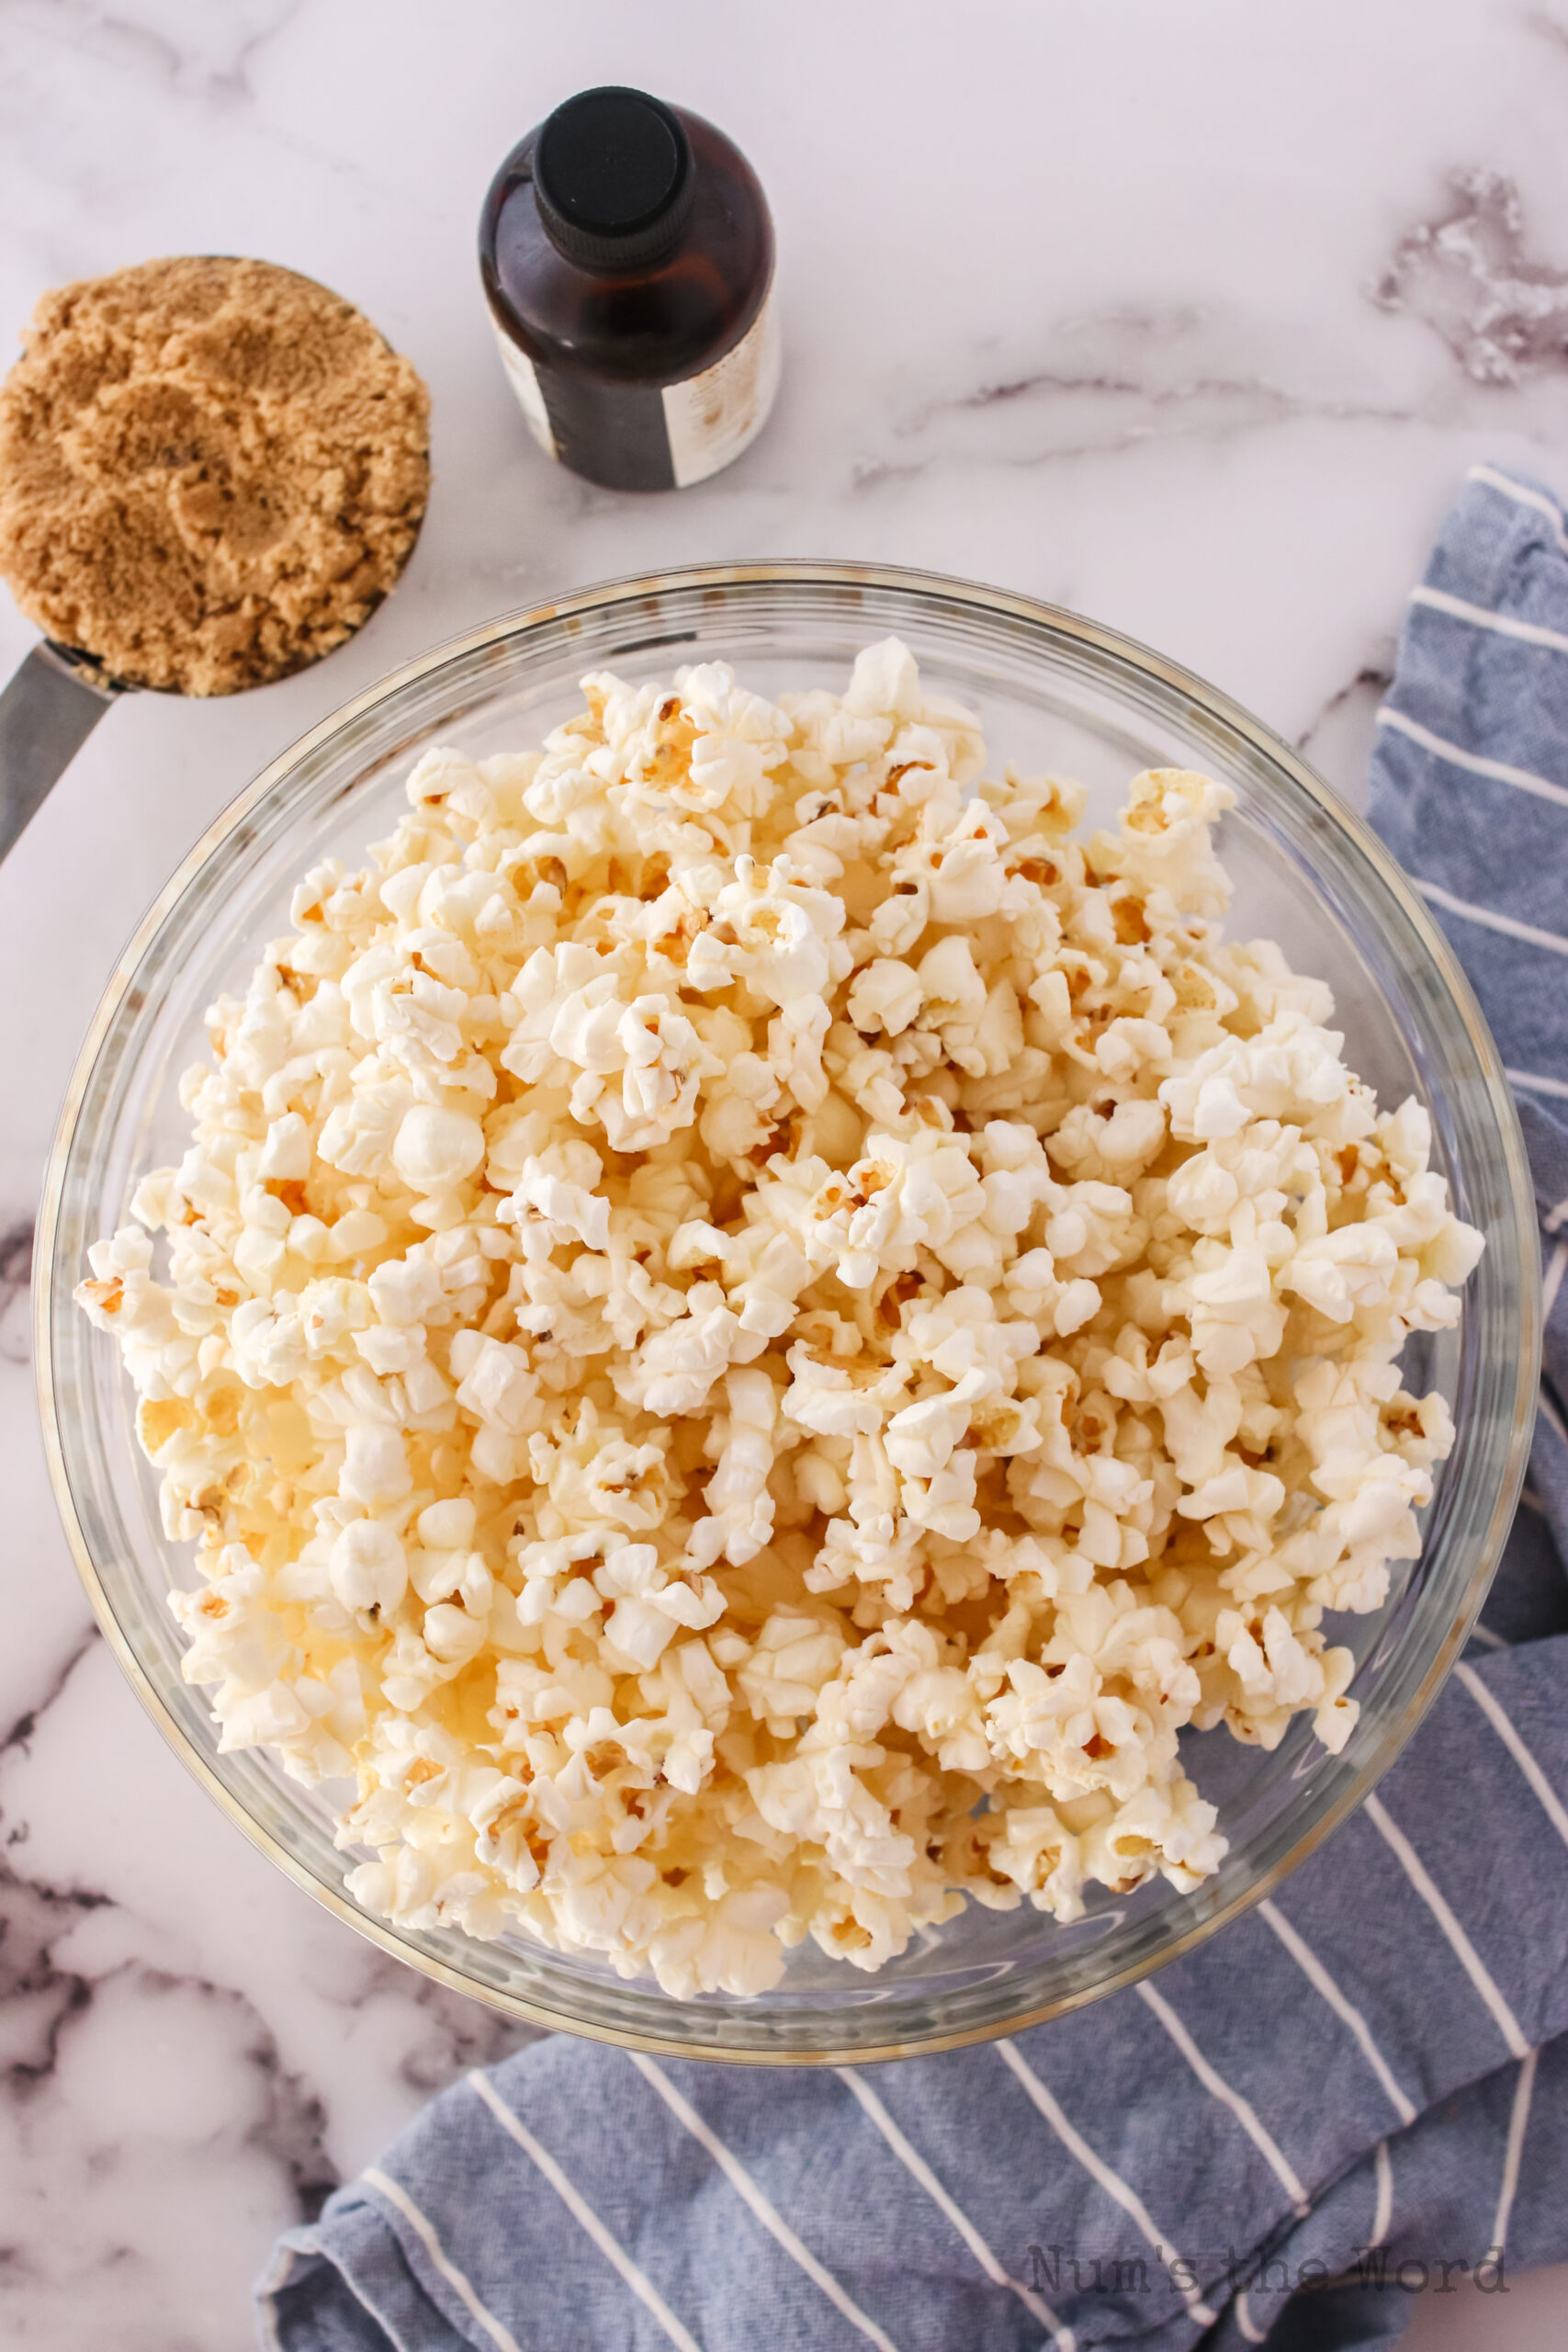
1189, 317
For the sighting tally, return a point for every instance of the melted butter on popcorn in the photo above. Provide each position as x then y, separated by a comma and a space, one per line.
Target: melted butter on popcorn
753, 1328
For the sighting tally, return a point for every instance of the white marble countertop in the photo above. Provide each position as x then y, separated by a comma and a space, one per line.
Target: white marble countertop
1134, 306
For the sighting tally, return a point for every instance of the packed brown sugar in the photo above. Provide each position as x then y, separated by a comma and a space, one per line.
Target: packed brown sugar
211, 471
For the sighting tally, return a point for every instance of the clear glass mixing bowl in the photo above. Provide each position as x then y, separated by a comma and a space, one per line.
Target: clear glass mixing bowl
1056, 692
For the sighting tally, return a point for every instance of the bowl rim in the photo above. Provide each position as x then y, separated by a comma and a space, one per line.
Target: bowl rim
604, 596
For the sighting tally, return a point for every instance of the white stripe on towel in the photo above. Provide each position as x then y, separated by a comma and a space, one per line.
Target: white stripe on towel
1246, 2114
582, 2213
1100, 2172
747, 2189
1518, 2117
1550, 1414
1490, 919
1463, 1950
1438, 600
1559, 1216
1534, 1085
1522, 496
1503, 1725
1552, 1281
1497, 771
1383, 2211
1247, 2324
278, 2272
1484, 1634
403, 2203
1318, 1978
916, 2166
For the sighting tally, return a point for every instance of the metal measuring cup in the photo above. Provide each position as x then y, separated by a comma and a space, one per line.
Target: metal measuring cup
49, 709
47, 712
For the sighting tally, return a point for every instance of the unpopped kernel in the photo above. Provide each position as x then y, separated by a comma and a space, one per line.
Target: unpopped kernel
752, 1326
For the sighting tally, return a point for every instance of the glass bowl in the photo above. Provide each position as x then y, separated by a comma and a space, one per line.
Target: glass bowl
1056, 692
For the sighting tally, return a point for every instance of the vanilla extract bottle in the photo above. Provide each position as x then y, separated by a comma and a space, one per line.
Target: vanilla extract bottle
627, 258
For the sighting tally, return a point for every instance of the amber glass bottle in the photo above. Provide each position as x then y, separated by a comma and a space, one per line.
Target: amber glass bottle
627, 258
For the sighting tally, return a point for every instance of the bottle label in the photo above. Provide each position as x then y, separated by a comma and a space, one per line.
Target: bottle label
712, 417
526, 384
645, 436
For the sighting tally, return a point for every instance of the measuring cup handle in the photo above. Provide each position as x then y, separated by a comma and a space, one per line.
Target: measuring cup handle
47, 712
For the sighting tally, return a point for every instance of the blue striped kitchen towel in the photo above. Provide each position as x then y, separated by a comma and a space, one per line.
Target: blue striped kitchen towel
1377, 2059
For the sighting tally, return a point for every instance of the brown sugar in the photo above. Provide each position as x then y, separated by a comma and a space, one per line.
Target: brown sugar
211, 471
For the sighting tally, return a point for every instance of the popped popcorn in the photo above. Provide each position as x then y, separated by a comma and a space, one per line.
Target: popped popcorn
752, 1326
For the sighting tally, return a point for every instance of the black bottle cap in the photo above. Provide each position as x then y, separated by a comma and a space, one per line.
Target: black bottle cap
613, 177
